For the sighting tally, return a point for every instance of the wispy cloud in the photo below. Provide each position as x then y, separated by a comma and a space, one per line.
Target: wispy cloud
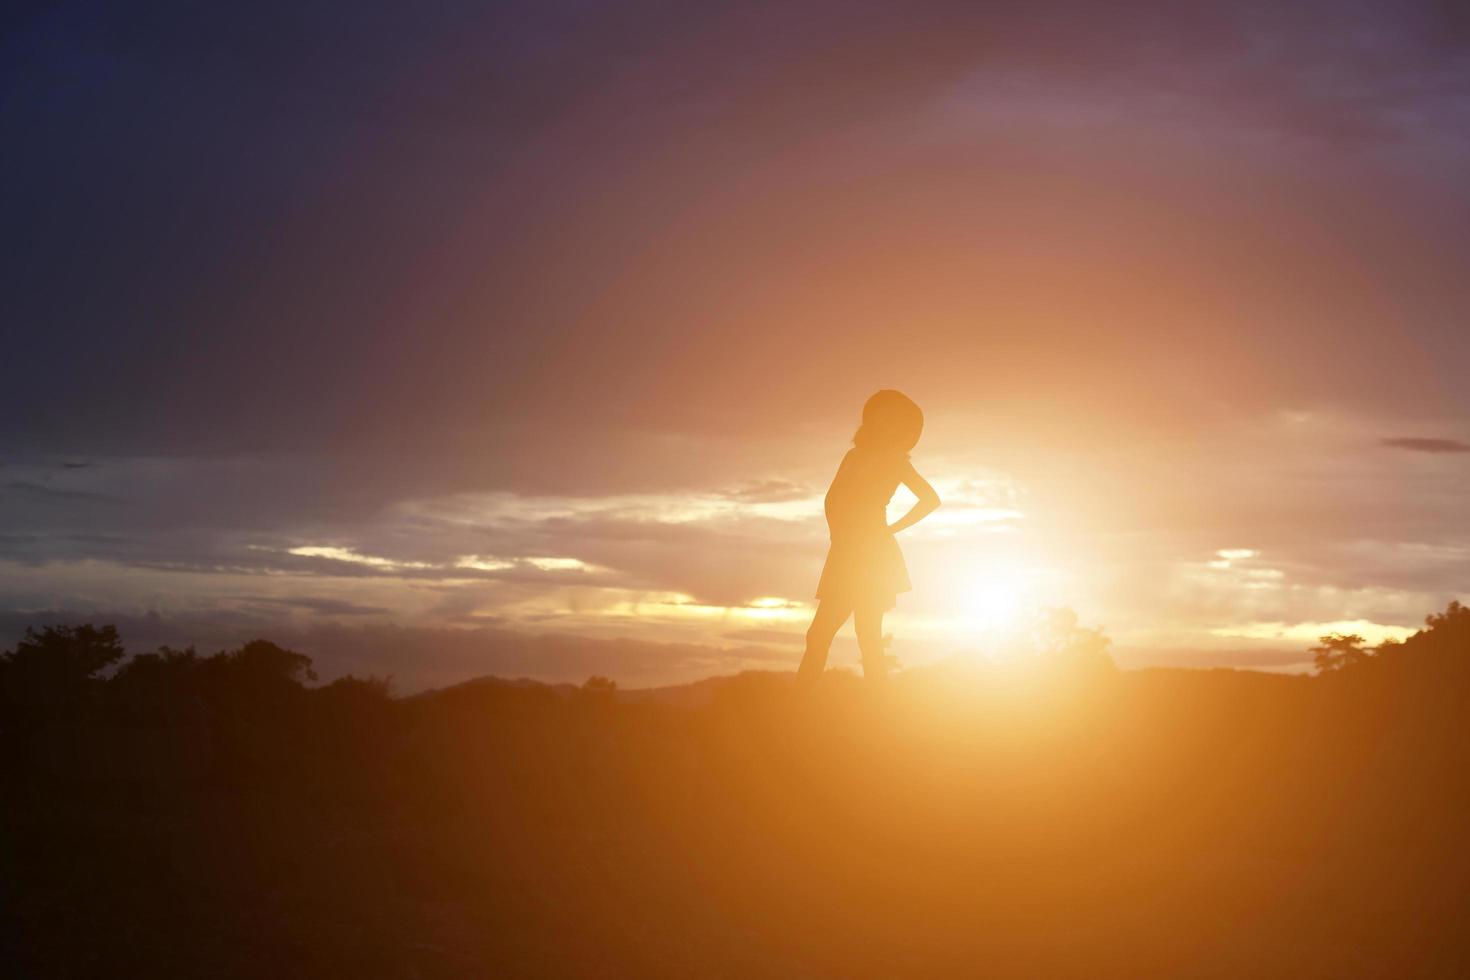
1421, 445
42, 493
324, 606
770, 492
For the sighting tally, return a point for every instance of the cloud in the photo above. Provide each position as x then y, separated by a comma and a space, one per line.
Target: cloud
324, 606
1333, 535
1421, 445
43, 493
352, 556
770, 492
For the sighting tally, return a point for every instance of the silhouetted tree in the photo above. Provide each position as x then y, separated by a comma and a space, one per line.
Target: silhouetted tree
1451, 628
371, 689
159, 687
261, 661
599, 690
52, 672
1443, 645
1058, 639
1339, 651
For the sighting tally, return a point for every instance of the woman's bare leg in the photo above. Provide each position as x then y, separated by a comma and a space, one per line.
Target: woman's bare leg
826, 622
868, 622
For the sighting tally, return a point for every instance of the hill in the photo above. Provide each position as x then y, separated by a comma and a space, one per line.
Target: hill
192, 816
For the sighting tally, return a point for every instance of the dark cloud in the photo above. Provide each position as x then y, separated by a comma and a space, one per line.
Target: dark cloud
326, 607
42, 492
1421, 445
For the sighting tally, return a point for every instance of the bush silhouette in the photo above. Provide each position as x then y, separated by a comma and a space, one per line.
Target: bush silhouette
56, 673
1442, 647
1339, 651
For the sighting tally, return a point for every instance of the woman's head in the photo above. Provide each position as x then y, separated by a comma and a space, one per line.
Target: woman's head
891, 421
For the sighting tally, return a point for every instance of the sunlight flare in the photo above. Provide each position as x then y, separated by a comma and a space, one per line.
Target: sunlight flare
993, 601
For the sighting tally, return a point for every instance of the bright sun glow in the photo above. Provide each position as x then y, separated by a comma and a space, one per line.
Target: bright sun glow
992, 602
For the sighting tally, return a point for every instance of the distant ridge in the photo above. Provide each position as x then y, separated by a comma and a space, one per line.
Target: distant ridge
693, 694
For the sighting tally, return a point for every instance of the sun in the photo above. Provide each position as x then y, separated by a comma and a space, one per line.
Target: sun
991, 601
991, 594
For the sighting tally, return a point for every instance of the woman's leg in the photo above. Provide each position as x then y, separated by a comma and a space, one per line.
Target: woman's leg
825, 623
868, 621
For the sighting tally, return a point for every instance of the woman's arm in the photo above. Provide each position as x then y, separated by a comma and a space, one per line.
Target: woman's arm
927, 503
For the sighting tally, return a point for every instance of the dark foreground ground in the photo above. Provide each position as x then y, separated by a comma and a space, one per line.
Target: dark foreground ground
1085, 823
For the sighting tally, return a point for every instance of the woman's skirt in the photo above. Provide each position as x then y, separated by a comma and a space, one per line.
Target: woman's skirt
864, 571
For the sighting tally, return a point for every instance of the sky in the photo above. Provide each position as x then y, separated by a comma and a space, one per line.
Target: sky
522, 339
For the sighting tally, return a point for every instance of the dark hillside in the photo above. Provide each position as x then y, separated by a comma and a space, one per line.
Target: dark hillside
193, 816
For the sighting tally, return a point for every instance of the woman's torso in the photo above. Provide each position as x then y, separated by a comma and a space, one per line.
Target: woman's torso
857, 500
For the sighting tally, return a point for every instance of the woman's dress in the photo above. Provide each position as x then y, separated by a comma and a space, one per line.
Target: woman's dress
865, 567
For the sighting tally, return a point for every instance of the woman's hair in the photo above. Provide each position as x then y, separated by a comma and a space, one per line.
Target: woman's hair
891, 421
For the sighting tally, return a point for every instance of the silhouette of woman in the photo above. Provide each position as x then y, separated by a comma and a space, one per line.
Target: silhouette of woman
865, 570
